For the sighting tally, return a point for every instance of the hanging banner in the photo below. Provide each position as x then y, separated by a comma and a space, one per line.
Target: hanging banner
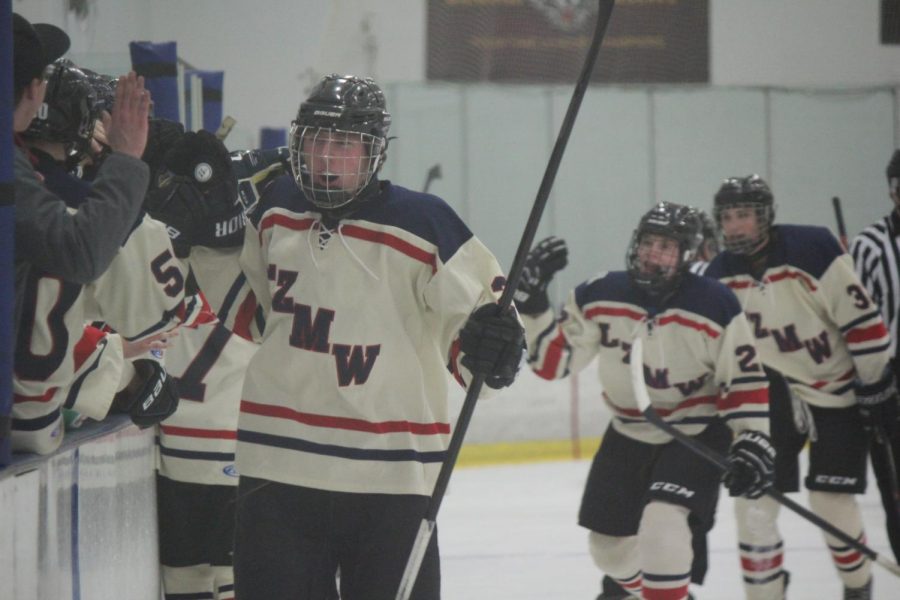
539, 41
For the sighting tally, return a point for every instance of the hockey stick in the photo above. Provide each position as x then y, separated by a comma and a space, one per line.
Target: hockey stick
225, 128
642, 397
839, 217
433, 173
885, 471
426, 527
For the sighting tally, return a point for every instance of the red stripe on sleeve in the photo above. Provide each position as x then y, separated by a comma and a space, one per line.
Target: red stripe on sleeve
859, 335
552, 357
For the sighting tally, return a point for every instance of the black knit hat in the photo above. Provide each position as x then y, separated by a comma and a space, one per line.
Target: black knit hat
35, 47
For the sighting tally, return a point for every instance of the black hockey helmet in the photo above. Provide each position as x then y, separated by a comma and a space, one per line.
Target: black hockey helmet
342, 104
105, 88
751, 192
675, 221
69, 110
712, 243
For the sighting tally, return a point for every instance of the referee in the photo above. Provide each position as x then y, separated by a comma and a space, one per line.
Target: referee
876, 254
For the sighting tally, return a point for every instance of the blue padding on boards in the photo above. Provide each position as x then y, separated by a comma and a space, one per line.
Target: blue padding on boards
7, 229
272, 137
158, 63
213, 82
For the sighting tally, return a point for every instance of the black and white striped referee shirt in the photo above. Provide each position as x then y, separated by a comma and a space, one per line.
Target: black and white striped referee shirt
876, 256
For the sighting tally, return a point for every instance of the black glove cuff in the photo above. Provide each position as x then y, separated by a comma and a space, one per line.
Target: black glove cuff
533, 303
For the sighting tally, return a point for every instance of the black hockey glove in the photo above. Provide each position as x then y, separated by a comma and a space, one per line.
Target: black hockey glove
492, 345
751, 465
203, 158
877, 404
153, 399
543, 261
162, 135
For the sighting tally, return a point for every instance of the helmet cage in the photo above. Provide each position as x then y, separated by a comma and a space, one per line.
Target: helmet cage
750, 192
746, 244
317, 174
676, 222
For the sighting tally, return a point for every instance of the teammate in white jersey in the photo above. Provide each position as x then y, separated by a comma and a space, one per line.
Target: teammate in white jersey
824, 341
59, 361
372, 293
876, 255
197, 479
646, 493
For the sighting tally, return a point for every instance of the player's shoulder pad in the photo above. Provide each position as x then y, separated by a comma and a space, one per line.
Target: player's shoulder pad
810, 248
424, 215
708, 298
609, 286
282, 193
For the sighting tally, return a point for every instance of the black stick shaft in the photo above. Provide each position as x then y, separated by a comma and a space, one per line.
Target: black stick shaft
839, 217
515, 272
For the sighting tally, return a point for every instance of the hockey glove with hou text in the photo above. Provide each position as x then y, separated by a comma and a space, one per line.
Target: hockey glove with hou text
151, 397
543, 261
877, 404
492, 343
751, 465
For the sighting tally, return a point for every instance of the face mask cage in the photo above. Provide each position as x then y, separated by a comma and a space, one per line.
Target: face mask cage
746, 244
657, 280
332, 166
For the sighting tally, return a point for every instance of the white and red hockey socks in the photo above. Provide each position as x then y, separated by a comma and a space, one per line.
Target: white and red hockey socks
760, 547
842, 511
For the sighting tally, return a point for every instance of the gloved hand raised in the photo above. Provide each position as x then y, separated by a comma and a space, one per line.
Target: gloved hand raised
203, 158
877, 404
751, 465
543, 261
492, 343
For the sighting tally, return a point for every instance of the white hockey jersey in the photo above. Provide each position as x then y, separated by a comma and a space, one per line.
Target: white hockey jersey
348, 391
59, 363
197, 443
812, 318
699, 359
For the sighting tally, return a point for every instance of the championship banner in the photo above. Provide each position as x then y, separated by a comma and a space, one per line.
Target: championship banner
540, 41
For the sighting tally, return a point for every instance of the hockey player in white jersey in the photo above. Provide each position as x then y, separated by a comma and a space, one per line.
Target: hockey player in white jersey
372, 293
197, 479
61, 363
826, 347
646, 493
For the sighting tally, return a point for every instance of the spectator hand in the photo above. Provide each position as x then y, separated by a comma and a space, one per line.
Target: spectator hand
151, 397
543, 261
492, 343
126, 128
751, 465
877, 404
